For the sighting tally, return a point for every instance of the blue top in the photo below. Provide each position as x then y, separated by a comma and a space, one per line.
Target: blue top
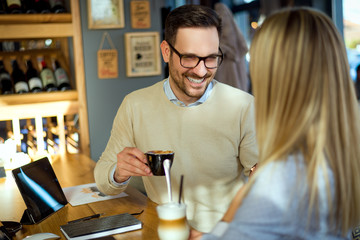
277, 206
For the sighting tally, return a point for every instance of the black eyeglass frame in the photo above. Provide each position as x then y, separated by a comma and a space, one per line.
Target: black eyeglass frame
221, 56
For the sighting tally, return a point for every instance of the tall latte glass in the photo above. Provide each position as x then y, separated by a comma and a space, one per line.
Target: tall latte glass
173, 224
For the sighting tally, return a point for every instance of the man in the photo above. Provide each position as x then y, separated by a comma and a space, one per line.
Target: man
209, 125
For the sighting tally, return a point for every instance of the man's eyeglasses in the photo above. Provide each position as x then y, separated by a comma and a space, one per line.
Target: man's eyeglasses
191, 61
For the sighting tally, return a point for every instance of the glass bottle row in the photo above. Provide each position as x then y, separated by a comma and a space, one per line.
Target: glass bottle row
32, 6
48, 78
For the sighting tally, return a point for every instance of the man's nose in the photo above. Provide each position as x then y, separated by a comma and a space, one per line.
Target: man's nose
200, 69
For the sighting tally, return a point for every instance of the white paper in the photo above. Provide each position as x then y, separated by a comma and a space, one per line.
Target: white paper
87, 193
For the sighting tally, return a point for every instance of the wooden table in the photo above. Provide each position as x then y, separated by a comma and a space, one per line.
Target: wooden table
71, 170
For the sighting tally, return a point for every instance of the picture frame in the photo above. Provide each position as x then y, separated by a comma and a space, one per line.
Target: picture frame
140, 14
105, 14
142, 54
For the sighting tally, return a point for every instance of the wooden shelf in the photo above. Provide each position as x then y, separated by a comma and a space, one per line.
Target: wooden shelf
42, 109
30, 98
19, 26
50, 51
38, 30
35, 18
38, 26
33, 54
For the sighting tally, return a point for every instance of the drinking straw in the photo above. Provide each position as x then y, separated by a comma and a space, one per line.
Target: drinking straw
181, 187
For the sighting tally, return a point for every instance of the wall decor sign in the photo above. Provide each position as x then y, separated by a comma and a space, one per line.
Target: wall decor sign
142, 54
107, 59
140, 14
104, 14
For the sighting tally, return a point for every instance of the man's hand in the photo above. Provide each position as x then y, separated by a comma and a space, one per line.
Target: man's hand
131, 162
252, 170
195, 235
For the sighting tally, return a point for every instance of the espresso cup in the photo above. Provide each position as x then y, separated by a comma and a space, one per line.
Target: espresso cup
173, 224
155, 161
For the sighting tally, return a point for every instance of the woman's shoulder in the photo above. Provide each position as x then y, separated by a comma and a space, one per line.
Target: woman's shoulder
280, 177
292, 166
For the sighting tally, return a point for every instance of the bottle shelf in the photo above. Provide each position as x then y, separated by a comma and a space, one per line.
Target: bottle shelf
33, 53
48, 104
43, 109
20, 26
51, 30
40, 97
35, 18
49, 55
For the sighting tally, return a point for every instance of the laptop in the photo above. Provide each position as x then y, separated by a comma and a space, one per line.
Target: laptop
40, 190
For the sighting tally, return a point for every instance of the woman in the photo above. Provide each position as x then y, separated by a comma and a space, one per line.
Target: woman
307, 185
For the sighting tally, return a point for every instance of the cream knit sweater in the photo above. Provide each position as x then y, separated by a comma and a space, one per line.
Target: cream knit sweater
213, 143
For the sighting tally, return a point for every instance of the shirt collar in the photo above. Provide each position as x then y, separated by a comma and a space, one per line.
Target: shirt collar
171, 96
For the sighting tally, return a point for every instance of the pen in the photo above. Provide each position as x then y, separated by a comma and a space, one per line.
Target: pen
86, 218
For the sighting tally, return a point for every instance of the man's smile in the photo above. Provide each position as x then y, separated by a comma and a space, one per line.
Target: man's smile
194, 80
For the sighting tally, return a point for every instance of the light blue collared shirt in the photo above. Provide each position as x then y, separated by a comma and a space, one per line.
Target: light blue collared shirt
171, 96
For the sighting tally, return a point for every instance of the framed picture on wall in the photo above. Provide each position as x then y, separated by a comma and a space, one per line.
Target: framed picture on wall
103, 14
140, 14
142, 54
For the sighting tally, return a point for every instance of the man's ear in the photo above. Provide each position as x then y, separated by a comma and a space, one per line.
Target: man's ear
165, 51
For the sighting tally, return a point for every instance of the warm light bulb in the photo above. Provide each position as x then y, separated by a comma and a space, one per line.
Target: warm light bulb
254, 25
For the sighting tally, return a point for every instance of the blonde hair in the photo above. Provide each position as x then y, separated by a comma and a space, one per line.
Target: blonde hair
305, 101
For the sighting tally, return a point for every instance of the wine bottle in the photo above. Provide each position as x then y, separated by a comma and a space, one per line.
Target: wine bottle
29, 6
5, 80
31, 140
57, 6
47, 78
24, 136
42, 6
13, 6
19, 79
62, 79
2, 7
32, 76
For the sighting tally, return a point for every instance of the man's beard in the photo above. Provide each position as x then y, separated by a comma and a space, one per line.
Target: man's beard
179, 80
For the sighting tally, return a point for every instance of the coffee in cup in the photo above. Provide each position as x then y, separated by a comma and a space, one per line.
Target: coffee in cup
156, 158
173, 224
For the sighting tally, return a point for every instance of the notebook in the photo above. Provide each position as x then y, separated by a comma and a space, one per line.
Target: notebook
101, 227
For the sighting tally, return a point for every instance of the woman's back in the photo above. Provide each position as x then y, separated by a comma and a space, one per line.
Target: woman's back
277, 205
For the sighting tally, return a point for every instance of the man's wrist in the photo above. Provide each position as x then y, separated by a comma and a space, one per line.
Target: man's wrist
120, 181
114, 181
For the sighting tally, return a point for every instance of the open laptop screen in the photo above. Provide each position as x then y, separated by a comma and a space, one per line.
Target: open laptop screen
40, 189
